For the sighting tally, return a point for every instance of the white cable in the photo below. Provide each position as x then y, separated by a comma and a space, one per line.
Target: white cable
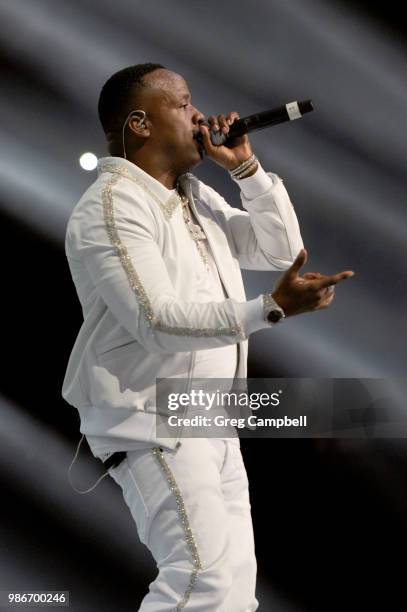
69, 473
124, 125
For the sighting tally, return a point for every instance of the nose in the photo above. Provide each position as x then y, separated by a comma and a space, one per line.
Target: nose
197, 116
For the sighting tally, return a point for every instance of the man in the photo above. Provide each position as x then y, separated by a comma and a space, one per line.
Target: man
155, 255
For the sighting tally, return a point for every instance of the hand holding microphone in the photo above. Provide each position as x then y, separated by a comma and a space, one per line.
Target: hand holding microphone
230, 132
227, 157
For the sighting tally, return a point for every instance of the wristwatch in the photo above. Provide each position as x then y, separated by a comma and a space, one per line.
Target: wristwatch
273, 313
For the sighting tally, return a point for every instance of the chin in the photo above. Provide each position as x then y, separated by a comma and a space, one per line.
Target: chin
201, 154
192, 162
197, 161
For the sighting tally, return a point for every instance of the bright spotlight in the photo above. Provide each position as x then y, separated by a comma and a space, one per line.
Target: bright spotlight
88, 161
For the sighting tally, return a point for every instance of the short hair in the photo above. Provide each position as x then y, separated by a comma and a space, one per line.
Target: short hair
115, 98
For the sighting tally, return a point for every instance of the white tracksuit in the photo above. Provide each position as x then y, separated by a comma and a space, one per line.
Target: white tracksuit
151, 310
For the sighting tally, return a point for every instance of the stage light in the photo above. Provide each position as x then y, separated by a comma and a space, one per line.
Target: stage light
88, 161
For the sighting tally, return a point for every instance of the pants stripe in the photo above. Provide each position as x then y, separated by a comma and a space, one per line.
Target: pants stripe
157, 452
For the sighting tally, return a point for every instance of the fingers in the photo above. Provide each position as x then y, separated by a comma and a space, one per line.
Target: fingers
325, 302
232, 117
214, 123
313, 291
334, 279
324, 287
222, 123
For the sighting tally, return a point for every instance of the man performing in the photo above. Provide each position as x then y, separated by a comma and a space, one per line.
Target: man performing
155, 255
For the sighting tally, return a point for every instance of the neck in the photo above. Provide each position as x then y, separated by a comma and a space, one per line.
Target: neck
166, 176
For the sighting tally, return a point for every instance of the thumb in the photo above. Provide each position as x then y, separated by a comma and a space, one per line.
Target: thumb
300, 261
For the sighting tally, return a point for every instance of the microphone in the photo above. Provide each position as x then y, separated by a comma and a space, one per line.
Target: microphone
259, 121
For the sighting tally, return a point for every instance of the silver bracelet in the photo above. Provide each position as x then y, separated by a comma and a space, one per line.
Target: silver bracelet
243, 166
247, 171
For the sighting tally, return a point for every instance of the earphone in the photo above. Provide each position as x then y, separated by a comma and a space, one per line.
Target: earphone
142, 126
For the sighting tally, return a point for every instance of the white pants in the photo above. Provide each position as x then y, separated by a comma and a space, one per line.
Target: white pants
192, 510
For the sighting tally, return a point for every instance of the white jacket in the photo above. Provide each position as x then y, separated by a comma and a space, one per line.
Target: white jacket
129, 253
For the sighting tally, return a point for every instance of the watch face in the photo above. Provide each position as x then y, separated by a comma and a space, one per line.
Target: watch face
274, 316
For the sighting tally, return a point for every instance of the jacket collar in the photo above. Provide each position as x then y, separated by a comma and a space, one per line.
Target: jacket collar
126, 168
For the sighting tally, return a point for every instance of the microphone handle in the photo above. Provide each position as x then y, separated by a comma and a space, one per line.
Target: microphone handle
259, 121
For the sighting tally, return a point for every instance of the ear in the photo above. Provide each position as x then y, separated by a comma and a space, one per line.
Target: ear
139, 125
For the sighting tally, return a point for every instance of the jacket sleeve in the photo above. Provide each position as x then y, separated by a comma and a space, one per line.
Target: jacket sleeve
266, 235
118, 246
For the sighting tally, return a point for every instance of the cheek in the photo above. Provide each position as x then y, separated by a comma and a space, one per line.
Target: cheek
182, 132
175, 130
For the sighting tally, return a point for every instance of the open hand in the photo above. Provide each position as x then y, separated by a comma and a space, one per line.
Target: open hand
313, 291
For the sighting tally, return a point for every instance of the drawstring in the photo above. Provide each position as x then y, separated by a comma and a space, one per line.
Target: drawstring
69, 473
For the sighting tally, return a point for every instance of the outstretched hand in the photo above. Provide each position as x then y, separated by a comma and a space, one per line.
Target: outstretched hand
313, 291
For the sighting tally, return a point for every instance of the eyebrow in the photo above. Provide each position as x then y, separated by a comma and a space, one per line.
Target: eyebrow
185, 96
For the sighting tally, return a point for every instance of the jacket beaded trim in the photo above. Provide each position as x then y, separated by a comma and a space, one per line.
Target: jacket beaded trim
134, 280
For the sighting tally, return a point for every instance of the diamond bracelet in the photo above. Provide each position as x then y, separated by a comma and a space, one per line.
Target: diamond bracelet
247, 171
245, 167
